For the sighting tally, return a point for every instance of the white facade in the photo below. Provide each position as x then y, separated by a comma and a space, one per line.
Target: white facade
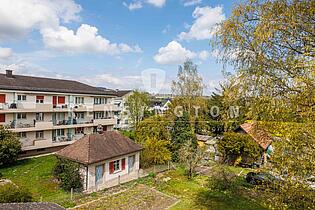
49, 119
122, 114
99, 176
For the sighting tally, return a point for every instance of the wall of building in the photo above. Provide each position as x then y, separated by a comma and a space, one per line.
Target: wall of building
113, 179
49, 124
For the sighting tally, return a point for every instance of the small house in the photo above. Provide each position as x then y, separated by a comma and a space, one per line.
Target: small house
105, 159
259, 135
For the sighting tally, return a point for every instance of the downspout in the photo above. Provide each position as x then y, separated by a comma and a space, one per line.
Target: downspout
86, 177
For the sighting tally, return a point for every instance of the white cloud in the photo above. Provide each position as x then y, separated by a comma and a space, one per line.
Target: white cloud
173, 53
133, 5
85, 39
204, 55
17, 18
5, 52
191, 2
205, 22
157, 3
20, 17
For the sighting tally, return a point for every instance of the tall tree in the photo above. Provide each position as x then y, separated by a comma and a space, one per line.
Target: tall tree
137, 102
189, 82
181, 133
271, 45
153, 134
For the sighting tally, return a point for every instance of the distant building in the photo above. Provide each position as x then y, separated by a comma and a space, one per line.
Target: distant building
106, 159
48, 114
122, 113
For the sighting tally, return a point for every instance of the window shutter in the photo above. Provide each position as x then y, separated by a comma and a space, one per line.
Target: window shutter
54, 100
2, 98
61, 100
2, 117
111, 167
123, 164
39, 97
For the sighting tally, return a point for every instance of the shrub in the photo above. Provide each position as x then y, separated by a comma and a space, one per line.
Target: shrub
10, 147
237, 148
223, 180
10, 193
68, 173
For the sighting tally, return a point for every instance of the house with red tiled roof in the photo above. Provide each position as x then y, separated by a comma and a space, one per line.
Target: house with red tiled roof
259, 135
106, 159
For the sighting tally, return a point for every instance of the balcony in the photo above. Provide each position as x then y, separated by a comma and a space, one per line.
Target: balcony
108, 121
105, 107
25, 107
25, 127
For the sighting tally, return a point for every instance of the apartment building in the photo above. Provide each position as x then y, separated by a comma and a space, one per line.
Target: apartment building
122, 114
48, 114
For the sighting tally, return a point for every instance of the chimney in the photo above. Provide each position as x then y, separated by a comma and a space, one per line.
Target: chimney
9, 73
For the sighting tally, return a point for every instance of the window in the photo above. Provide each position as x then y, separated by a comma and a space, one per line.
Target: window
99, 115
116, 165
100, 100
40, 116
79, 115
21, 116
21, 97
22, 135
60, 132
79, 131
39, 134
79, 100
39, 99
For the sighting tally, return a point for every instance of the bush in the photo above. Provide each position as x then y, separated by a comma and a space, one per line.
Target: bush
10, 193
237, 148
223, 180
10, 147
68, 173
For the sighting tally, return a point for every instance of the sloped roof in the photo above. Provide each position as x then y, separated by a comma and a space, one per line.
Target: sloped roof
98, 147
262, 138
29, 83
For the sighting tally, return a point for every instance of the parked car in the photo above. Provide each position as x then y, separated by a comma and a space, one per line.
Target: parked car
259, 178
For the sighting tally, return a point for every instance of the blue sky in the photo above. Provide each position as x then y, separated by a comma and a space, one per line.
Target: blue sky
109, 43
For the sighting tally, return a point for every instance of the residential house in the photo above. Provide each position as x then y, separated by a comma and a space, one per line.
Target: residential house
106, 159
48, 114
259, 135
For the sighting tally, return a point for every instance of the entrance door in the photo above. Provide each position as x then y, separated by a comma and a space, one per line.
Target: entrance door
98, 174
131, 163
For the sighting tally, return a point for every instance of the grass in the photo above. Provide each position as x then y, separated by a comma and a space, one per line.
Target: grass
196, 194
35, 174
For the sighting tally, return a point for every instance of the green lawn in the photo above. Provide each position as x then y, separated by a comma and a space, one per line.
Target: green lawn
35, 174
195, 193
